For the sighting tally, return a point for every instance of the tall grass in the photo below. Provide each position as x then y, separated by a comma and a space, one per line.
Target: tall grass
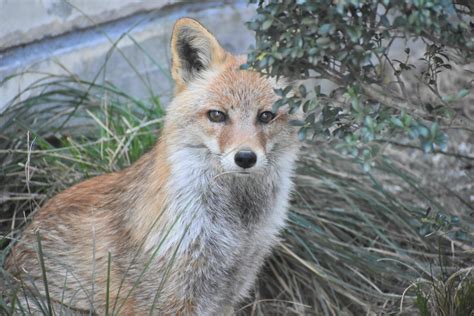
354, 246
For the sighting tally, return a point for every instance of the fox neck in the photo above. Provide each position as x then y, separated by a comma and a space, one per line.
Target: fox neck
185, 196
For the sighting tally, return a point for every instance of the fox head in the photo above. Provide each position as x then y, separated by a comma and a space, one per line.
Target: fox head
222, 109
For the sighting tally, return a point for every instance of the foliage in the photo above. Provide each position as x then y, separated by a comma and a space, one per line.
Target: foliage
359, 92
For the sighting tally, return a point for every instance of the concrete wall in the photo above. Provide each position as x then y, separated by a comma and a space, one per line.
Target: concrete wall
79, 36
23, 21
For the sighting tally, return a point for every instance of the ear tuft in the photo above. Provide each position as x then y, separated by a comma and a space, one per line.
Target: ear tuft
194, 49
191, 55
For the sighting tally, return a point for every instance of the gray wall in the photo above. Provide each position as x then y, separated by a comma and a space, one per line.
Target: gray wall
76, 36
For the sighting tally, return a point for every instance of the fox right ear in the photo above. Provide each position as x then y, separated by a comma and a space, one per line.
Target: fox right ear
194, 49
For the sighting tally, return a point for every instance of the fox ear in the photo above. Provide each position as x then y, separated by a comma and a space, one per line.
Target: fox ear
194, 49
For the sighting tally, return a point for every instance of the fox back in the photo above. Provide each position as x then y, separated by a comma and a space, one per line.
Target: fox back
186, 228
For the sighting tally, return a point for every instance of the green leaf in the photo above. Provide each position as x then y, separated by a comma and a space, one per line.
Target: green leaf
279, 92
313, 51
423, 131
462, 93
322, 41
302, 134
384, 21
354, 33
278, 104
296, 123
366, 167
302, 90
307, 21
326, 29
448, 98
434, 129
397, 122
310, 118
400, 21
266, 25
355, 102
369, 122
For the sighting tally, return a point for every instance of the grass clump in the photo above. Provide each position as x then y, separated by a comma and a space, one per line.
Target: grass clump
357, 242
386, 241
75, 130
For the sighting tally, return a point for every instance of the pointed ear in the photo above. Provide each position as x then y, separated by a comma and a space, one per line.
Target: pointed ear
193, 49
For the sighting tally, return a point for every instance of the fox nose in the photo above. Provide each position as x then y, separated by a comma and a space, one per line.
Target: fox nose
245, 159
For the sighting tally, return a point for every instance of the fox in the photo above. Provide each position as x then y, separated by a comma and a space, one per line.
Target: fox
186, 228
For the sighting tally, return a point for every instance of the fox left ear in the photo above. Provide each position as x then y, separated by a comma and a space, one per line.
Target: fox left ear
194, 49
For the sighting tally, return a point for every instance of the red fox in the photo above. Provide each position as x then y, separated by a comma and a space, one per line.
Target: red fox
186, 228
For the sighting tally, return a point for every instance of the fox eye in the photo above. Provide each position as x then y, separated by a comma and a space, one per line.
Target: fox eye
266, 117
216, 116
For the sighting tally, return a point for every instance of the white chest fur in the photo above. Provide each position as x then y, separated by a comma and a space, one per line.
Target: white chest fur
223, 225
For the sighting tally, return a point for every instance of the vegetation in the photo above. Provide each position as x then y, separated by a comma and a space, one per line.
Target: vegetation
365, 90
381, 219
377, 79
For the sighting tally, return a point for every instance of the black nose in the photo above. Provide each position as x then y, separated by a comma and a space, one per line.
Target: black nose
245, 159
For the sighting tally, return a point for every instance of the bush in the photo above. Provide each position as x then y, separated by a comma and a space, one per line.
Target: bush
362, 90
